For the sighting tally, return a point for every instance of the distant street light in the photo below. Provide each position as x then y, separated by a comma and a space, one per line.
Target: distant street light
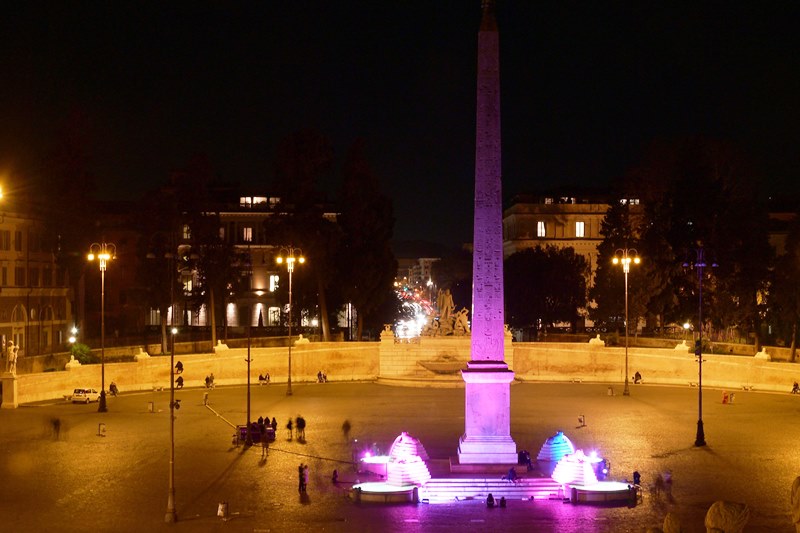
699, 263
103, 252
624, 257
290, 255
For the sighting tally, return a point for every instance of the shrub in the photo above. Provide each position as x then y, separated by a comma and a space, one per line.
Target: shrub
83, 354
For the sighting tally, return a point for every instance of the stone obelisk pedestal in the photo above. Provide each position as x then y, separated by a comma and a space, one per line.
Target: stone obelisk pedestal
487, 419
487, 438
9, 382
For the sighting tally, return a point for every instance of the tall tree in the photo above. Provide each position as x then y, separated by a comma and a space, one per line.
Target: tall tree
784, 294
366, 262
695, 191
302, 159
61, 187
209, 253
620, 230
157, 253
544, 286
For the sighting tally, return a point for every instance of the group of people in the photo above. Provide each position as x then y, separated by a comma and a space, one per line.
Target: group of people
113, 389
490, 501
302, 478
210, 381
263, 379
795, 388
264, 423
299, 426
322, 377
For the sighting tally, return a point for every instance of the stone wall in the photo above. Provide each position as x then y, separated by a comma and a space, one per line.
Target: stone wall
566, 362
340, 361
428, 361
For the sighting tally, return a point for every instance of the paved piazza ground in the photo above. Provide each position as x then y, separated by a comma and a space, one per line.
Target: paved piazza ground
79, 481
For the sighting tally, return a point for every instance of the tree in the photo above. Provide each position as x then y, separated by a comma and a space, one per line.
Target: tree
302, 158
697, 190
367, 265
208, 252
608, 290
157, 250
784, 294
544, 286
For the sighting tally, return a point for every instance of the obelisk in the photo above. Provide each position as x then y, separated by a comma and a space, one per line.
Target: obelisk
487, 432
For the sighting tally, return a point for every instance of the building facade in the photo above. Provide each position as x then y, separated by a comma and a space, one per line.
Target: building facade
36, 311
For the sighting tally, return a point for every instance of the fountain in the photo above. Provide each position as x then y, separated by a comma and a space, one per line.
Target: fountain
405, 471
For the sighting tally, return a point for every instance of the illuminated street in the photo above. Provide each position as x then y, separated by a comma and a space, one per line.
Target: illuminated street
119, 481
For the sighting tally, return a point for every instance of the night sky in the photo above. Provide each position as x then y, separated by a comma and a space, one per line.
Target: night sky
585, 86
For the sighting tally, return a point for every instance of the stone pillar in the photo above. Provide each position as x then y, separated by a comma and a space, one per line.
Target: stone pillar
9, 381
487, 433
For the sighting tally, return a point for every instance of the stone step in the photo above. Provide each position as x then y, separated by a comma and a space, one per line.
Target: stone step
448, 489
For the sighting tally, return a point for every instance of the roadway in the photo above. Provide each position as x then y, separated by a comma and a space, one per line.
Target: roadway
88, 477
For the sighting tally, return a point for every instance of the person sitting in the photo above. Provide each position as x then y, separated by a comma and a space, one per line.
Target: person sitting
490, 501
113, 389
178, 367
261, 379
796, 388
637, 377
512, 475
179, 382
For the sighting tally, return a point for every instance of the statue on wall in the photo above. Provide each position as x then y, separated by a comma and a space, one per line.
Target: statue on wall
11, 364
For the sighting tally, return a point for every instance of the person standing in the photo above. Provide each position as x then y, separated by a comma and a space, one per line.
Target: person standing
300, 479
289, 429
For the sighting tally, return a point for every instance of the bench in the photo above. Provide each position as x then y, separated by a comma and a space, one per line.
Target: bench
747, 387
693, 384
158, 389
577, 380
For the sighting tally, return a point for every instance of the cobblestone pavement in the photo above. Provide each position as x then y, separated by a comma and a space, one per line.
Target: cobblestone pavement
81, 476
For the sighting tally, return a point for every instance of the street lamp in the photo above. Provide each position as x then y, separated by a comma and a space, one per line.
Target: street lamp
624, 257
103, 252
699, 264
290, 255
171, 515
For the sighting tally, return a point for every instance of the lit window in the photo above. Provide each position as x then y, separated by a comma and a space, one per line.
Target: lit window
187, 232
247, 234
540, 229
579, 229
273, 283
548, 201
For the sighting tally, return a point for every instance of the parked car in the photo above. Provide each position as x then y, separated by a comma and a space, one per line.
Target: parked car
85, 395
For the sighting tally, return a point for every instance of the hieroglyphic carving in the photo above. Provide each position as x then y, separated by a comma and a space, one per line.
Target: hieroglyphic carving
487, 263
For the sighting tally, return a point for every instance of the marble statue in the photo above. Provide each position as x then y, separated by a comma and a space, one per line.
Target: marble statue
462, 323
11, 364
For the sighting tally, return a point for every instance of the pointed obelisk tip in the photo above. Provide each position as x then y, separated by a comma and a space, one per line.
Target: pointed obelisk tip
488, 20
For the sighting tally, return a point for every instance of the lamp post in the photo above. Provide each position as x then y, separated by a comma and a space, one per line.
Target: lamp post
624, 257
171, 515
248, 436
699, 264
103, 252
290, 255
